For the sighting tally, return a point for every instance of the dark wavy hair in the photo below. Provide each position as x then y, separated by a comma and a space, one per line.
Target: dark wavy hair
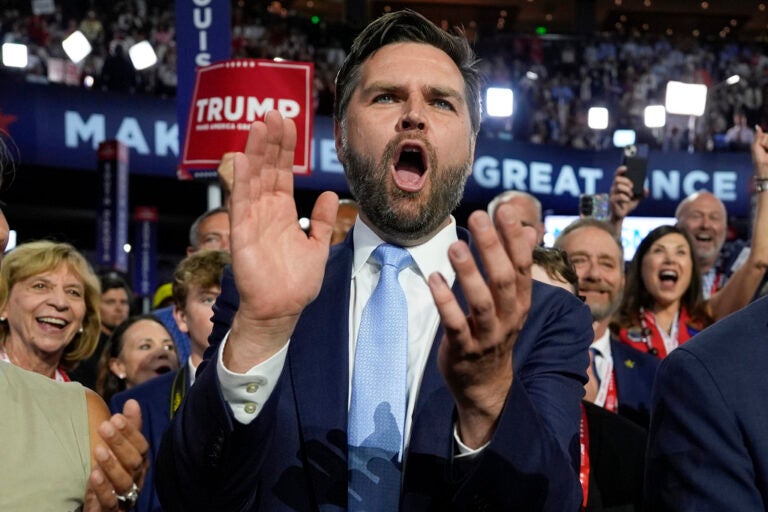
107, 383
407, 26
636, 295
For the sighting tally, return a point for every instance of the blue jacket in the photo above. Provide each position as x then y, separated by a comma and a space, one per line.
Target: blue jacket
635, 372
293, 456
708, 441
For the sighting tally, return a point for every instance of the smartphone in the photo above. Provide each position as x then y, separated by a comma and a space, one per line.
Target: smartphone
635, 158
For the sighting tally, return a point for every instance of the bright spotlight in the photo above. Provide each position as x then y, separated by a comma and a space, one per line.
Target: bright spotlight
15, 55
499, 101
655, 116
733, 80
142, 55
623, 138
597, 118
685, 99
76, 46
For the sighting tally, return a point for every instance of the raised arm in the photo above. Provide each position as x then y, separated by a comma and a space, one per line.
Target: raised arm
278, 268
740, 288
622, 201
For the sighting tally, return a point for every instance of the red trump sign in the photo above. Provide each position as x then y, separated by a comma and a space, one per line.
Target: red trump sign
229, 95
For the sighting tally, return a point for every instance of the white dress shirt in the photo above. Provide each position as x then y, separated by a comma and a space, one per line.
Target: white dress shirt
192, 369
603, 365
246, 393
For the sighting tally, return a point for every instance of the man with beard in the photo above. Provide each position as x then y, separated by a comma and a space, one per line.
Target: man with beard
480, 409
621, 377
731, 273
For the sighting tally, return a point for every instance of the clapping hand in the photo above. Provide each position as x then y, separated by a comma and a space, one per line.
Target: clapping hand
122, 462
475, 354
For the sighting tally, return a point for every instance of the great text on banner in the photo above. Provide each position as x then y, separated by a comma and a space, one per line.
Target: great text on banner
231, 94
112, 227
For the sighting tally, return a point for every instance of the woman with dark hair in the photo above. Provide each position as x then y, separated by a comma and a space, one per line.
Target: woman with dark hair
662, 305
140, 349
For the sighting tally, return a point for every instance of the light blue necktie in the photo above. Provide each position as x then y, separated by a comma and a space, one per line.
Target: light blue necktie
379, 390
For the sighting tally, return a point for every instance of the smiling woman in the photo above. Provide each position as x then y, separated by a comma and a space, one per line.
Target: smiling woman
662, 305
139, 349
49, 313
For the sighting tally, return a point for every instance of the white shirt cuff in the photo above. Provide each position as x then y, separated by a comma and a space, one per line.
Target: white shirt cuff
464, 450
246, 393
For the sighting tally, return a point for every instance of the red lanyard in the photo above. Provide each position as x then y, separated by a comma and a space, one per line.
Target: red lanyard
606, 392
649, 335
715, 283
584, 465
611, 397
652, 336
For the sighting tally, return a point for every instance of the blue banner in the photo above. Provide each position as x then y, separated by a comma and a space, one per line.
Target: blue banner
145, 262
62, 126
112, 224
203, 36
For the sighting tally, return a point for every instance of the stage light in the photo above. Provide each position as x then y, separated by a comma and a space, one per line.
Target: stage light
655, 116
142, 55
597, 118
76, 46
685, 99
499, 101
622, 138
15, 55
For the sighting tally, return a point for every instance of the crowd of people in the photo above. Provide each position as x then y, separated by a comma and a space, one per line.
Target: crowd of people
386, 358
556, 79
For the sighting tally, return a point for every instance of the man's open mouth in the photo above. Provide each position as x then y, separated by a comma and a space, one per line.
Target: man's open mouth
410, 166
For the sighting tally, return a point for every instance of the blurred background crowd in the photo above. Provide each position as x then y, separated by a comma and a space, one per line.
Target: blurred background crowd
556, 77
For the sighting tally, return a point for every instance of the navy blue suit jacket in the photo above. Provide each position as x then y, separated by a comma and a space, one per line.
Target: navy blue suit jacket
635, 372
154, 397
293, 456
708, 441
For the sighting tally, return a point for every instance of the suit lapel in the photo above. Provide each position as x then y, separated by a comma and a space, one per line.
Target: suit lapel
318, 367
434, 403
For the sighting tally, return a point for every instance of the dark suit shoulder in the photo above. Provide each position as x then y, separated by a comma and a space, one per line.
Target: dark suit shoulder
732, 341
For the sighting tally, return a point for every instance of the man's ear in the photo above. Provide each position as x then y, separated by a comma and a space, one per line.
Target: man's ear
338, 136
181, 319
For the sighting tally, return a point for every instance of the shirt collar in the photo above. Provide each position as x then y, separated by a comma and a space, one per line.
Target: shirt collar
430, 256
603, 344
192, 371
